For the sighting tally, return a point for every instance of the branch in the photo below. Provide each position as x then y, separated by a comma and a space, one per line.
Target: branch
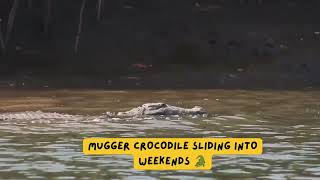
76, 45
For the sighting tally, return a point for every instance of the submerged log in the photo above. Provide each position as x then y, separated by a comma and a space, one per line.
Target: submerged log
76, 45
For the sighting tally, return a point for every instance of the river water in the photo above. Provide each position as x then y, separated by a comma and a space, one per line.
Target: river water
288, 122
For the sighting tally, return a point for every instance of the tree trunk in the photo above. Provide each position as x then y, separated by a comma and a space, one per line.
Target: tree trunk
47, 17
29, 4
11, 19
2, 45
76, 45
100, 5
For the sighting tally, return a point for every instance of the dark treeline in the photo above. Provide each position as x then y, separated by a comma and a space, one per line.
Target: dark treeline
105, 38
45, 14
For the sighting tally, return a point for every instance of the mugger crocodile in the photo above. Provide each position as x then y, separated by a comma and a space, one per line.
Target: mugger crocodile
148, 109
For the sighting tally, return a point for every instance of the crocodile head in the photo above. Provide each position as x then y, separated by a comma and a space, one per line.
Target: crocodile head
165, 109
154, 106
162, 109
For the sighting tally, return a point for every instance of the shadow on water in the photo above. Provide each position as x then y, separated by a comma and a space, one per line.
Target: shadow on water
288, 122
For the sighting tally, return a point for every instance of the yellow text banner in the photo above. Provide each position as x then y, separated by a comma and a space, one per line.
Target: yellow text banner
172, 153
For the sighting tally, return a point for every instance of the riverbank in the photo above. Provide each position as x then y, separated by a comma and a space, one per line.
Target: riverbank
174, 77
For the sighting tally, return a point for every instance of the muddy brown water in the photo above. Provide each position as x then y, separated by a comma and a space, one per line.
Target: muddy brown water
288, 122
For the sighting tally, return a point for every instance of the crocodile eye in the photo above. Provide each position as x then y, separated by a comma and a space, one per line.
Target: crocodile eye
159, 106
162, 105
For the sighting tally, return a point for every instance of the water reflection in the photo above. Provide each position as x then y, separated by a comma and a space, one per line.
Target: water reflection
287, 121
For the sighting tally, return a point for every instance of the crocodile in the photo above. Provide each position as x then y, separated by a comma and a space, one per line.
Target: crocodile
148, 109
